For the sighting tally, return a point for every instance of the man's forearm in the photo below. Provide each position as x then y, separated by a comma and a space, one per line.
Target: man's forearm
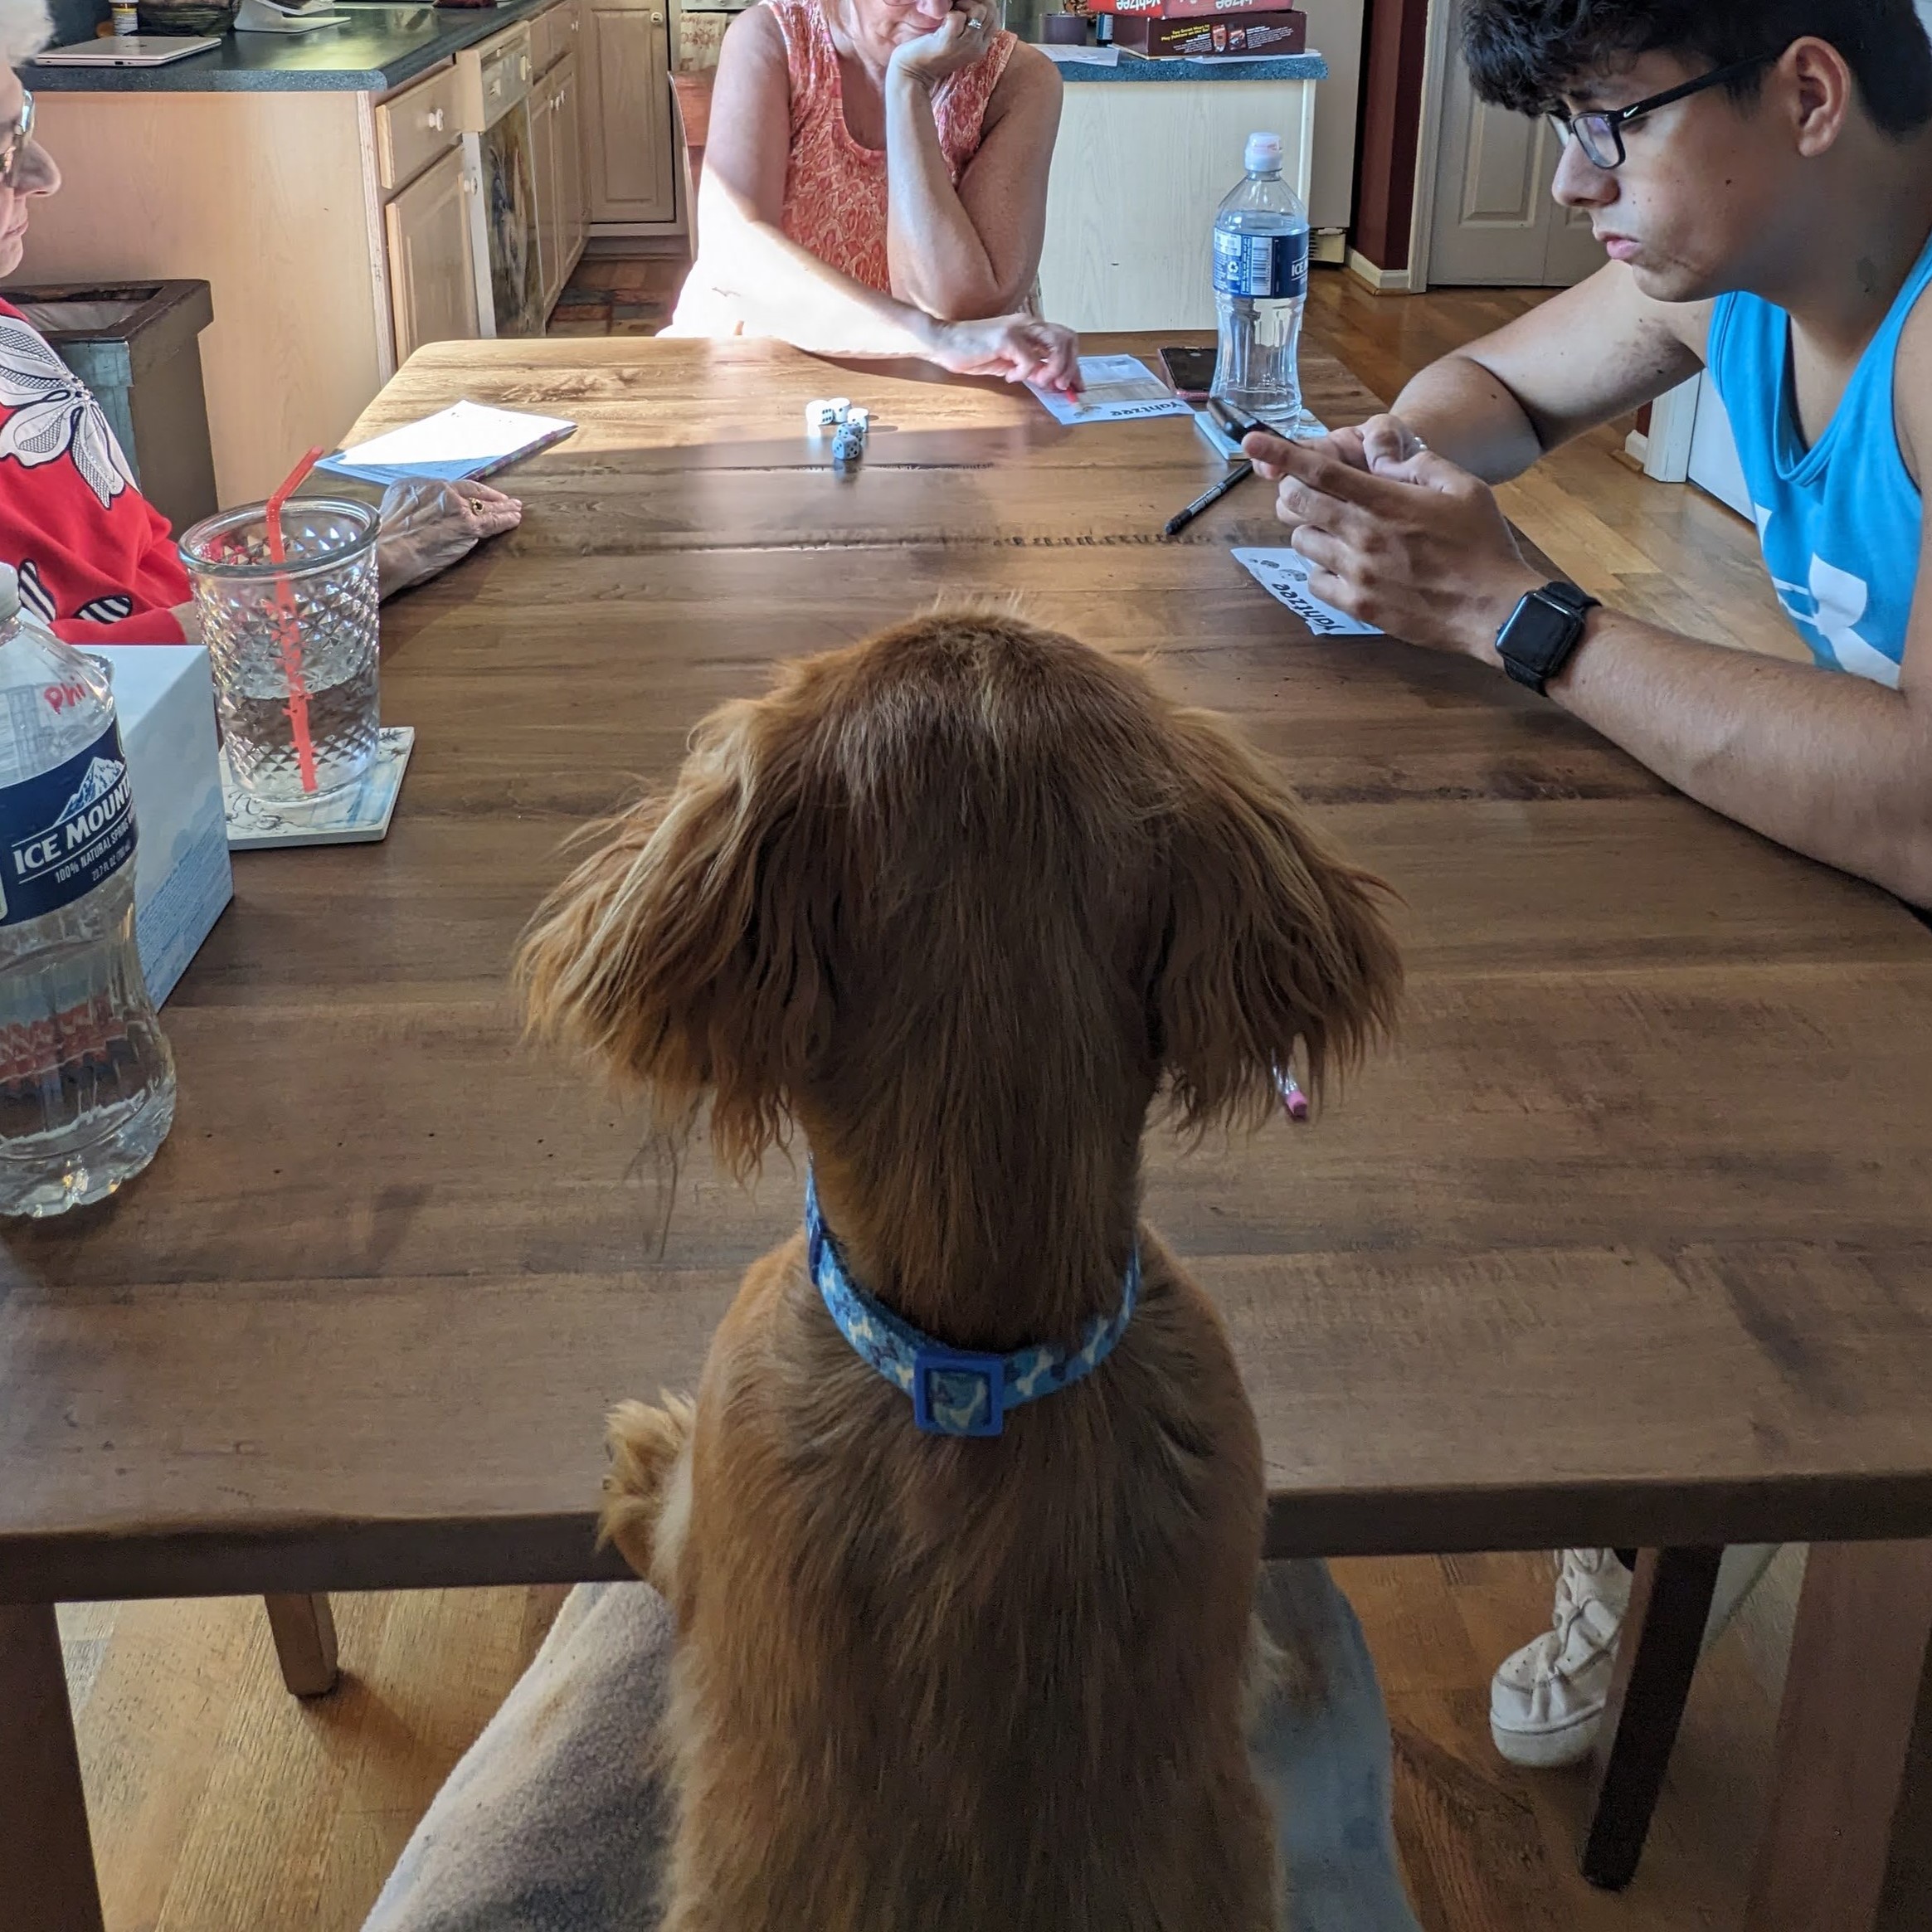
938, 260
1465, 414
1831, 765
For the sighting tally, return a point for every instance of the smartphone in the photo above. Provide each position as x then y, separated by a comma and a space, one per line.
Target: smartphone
1190, 372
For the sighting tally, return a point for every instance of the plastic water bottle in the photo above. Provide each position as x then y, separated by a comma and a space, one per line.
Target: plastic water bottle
86, 1080
1261, 287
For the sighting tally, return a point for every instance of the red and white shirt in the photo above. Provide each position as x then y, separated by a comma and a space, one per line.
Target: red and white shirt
95, 558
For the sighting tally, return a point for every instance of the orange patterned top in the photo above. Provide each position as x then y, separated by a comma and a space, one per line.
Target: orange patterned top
835, 189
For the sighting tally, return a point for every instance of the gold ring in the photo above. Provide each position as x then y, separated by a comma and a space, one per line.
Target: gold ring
476, 505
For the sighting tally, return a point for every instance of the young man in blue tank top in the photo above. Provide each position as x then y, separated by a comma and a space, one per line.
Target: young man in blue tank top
1762, 176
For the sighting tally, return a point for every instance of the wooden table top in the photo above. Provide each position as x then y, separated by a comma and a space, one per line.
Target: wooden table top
1627, 1242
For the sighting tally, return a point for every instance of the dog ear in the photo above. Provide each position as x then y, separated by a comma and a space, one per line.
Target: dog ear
687, 952
1270, 938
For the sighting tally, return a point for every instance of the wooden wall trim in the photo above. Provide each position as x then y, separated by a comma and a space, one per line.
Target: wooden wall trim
1391, 129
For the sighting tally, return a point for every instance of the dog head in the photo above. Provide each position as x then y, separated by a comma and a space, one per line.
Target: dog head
968, 871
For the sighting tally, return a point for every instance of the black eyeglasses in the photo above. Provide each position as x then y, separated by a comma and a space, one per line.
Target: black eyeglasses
15, 141
1600, 133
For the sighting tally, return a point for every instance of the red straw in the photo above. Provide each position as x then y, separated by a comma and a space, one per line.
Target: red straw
288, 631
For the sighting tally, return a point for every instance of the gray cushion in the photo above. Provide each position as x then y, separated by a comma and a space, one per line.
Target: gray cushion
554, 1821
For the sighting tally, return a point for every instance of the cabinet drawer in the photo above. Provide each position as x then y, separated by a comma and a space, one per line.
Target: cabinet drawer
553, 35
414, 126
494, 77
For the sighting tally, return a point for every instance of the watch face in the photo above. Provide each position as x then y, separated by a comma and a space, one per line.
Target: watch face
1539, 634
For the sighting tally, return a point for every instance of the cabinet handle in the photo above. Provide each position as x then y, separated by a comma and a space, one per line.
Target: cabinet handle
434, 120
657, 19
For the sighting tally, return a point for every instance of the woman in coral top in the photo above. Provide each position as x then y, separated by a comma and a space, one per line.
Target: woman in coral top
875, 183
95, 558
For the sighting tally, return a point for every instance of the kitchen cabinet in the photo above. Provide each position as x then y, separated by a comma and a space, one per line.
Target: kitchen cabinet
575, 216
543, 159
318, 190
557, 148
1139, 169
432, 282
414, 126
626, 113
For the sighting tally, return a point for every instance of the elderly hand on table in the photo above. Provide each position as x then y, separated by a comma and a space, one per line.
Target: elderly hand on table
429, 525
1398, 537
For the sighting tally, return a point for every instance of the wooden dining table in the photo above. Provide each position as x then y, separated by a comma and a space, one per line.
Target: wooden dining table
1627, 1240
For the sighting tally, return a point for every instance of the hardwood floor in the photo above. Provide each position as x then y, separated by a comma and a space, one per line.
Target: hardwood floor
221, 1804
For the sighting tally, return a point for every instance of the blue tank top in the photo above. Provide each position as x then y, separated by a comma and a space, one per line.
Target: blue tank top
1840, 522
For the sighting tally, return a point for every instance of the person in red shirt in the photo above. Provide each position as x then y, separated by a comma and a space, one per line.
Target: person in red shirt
96, 560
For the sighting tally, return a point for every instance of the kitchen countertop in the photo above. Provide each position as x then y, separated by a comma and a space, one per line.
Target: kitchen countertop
377, 48
1217, 67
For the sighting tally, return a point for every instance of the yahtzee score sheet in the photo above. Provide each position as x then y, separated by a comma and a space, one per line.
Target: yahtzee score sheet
1115, 389
1283, 574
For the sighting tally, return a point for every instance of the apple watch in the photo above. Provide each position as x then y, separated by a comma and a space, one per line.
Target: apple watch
1542, 631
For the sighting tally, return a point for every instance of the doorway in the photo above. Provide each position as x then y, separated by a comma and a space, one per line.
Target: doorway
1494, 223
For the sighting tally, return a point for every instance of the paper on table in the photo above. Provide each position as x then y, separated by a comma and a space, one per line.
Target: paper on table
1117, 389
466, 440
1283, 574
1079, 56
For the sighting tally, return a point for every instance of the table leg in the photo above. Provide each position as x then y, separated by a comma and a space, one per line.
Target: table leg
49, 1884
1663, 1633
1848, 1847
304, 1627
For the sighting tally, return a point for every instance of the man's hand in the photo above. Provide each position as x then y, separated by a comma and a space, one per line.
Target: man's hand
1382, 439
1399, 538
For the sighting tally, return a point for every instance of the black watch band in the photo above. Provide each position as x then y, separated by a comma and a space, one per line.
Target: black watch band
1541, 633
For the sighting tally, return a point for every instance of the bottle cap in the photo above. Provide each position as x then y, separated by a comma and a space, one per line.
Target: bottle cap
1264, 154
9, 593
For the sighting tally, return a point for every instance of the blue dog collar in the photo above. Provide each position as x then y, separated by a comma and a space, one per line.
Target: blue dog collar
954, 1392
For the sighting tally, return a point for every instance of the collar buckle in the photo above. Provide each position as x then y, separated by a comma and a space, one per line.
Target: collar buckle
958, 1392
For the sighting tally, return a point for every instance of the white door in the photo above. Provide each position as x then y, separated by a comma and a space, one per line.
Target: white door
1495, 222
1714, 460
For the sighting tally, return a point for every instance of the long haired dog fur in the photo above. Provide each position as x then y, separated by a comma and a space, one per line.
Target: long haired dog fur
959, 901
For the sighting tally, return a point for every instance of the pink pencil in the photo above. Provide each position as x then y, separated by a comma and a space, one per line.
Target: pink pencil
1292, 1098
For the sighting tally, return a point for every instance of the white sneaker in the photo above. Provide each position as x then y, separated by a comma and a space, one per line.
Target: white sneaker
1546, 1702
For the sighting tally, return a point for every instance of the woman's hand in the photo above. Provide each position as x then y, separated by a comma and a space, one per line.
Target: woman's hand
1021, 349
427, 525
959, 40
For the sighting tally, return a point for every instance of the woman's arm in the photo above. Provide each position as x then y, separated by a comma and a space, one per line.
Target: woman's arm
781, 289
973, 250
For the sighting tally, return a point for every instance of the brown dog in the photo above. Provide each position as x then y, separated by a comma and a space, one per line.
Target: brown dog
957, 900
